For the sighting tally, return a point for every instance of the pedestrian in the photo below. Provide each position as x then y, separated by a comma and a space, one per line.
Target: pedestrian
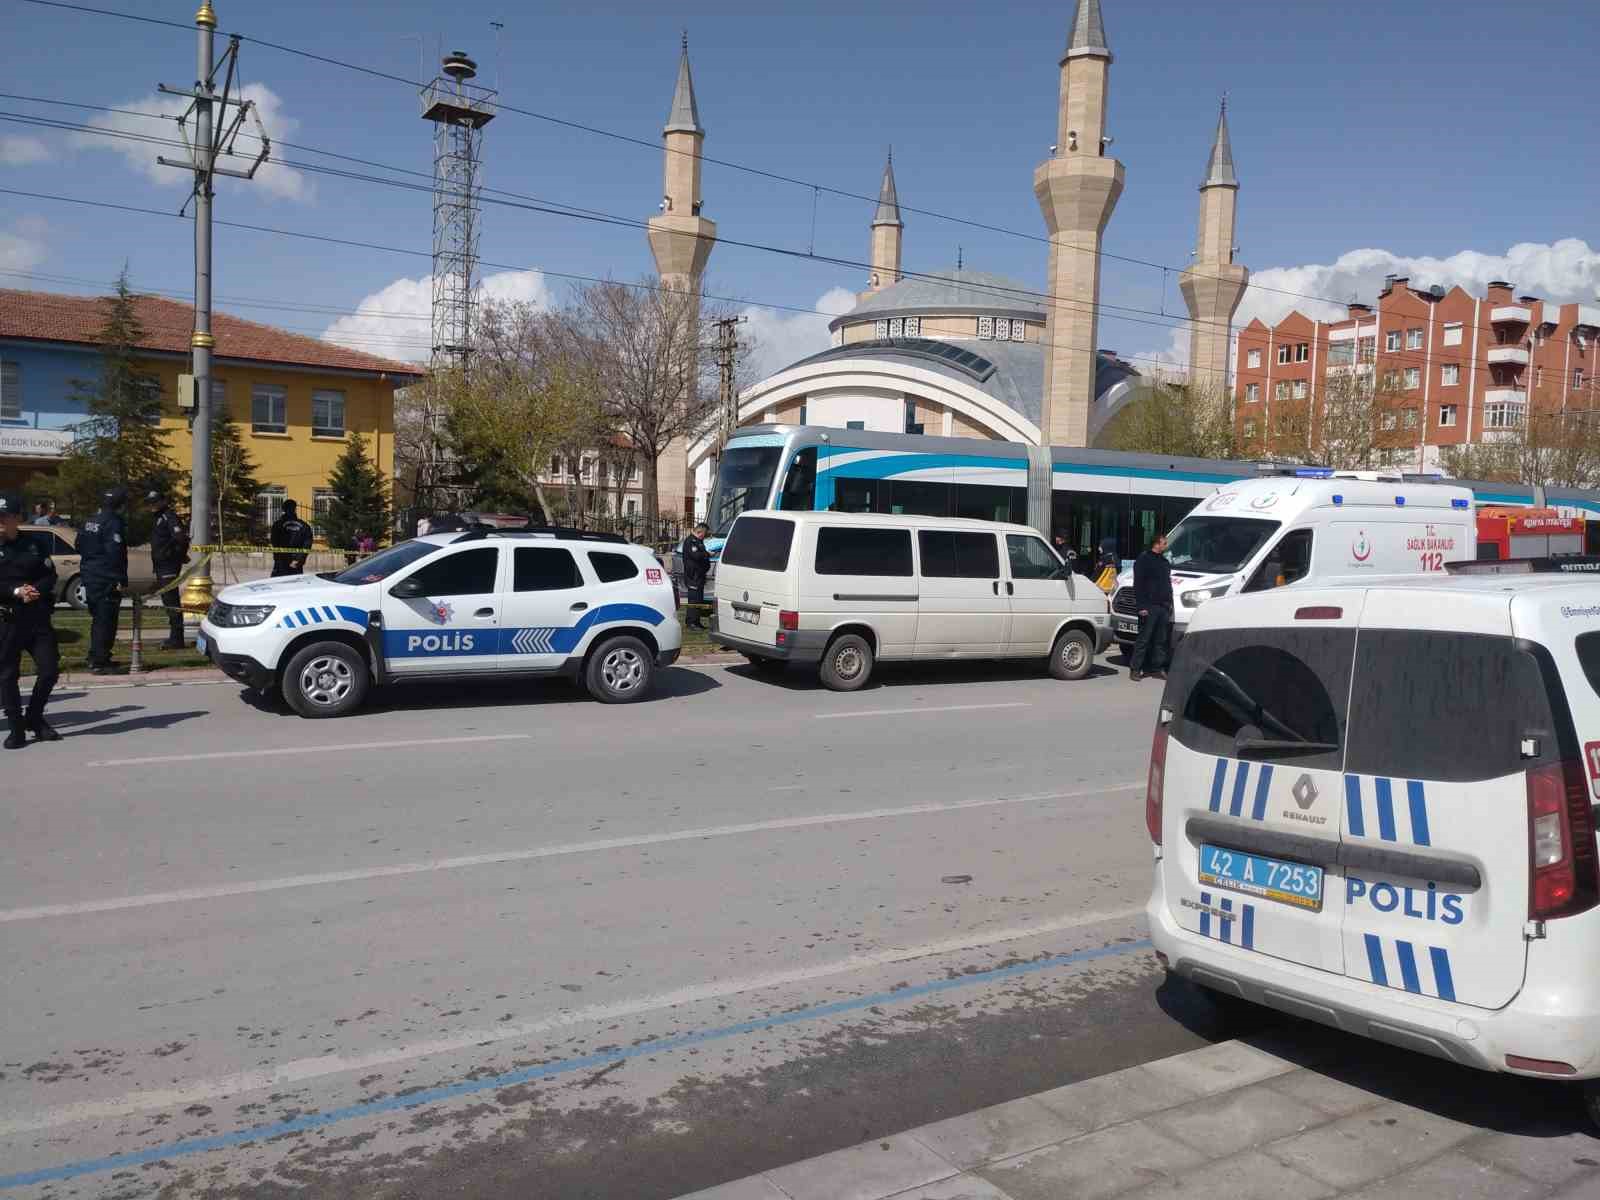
291, 534
1152, 592
44, 513
169, 550
1106, 566
1066, 553
103, 566
27, 594
365, 544
696, 566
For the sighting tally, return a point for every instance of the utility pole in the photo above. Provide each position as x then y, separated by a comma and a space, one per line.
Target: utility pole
727, 393
214, 136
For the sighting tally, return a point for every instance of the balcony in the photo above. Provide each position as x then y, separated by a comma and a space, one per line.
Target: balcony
1508, 356
1511, 314
1505, 395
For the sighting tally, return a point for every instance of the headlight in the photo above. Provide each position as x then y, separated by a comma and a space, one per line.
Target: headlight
1199, 596
236, 616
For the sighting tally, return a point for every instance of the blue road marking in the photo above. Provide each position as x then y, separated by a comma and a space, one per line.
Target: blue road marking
1218, 778
587, 1062
1442, 978
1375, 960
1352, 804
1385, 809
1263, 783
1419, 812
1408, 966
1241, 780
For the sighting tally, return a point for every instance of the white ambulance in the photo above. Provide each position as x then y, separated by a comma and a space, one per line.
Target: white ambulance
1309, 526
1371, 807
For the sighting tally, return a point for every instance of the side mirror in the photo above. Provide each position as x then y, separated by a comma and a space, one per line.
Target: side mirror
407, 589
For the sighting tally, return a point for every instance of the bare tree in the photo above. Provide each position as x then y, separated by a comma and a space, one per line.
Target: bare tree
1556, 449
424, 463
1174, 418
1362, 423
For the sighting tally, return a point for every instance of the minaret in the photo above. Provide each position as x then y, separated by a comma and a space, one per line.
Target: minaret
887, 232
681, 241
1077, 187
1213, 286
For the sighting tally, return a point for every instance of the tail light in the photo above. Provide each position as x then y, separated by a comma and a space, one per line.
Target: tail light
1155, 783
788, 620
1563, 877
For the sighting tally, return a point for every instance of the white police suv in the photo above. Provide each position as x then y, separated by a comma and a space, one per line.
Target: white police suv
1372, 806
588, 606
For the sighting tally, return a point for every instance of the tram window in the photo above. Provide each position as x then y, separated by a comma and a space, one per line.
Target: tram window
1019, 505
800, 484
856, 495
919, 498
983, 502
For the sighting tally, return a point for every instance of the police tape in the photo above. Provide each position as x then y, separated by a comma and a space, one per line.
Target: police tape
243, 548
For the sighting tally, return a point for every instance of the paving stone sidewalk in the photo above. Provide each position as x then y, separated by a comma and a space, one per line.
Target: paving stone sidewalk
1298, 1114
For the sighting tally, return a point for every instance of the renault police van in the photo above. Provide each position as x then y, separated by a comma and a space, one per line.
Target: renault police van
839, 592
479, 605
1372, 807
1308, 526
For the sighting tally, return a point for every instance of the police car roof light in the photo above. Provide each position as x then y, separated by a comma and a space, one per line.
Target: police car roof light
1314, 472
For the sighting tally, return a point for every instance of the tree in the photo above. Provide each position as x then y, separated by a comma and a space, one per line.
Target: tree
1555, 449
360, 498
1173, 418
234, 486
121, 441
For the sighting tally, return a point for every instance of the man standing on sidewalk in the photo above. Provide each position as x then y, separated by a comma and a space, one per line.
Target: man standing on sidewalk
696, 566
27, 594
1152, 592
290, 533
169, 550
103, 566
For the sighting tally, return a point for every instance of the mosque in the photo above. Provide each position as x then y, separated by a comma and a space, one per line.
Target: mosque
961, 352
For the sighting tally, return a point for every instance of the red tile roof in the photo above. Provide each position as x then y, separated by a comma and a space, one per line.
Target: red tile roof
48, 317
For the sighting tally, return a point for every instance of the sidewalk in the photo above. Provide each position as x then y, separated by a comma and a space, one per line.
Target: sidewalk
1292, 1116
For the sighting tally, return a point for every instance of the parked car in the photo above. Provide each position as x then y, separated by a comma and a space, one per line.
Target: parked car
60, 543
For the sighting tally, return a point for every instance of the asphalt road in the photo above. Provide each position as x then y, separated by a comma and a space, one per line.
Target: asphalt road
503, 941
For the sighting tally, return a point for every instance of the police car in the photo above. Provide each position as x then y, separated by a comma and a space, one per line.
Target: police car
1371, 804
482, 604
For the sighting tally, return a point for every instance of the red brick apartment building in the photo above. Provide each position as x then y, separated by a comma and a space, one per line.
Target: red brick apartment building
1447, 368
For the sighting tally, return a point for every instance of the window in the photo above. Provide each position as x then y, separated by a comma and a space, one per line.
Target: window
1413, 339
1030, 557
1413, 377
1302, 351
269, 409
1450, 375
612, 567
1002, 329
544, 569
1390, 420
1391, 340
950, 555
327, 414
912, 425
1284, 353
761, 543
1452, 333
1280, 390
555, 466
1301, 389
321, 508
1577, 377
1538, 377
465, 573
1368, 347
1252, 393
919, 497
1341, 354
1447, 416
633, 507
269, 506
1253, 360
385, 563
880, 330
1019, 330
1502, 416
913, 326
1249, 427
1408, 418
1391, 381
1286, 563
10, 391
847, 550
897, 327
855, 424
986, 327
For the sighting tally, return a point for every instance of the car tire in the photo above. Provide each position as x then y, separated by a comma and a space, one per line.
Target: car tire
76, 596
326, 679
620, 670
1072, 657
847, 664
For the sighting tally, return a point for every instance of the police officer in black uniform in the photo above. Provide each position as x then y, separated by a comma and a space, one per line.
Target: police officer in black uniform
289, 532
103, 566
696, 566
27, 594
169, 550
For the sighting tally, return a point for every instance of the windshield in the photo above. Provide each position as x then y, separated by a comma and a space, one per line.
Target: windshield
744, 481
1217, 545
384, 563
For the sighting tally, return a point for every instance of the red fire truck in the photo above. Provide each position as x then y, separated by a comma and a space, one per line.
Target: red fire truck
1528, 533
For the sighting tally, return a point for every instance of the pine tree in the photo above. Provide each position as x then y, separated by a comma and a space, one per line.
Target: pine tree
360, 500
234, 486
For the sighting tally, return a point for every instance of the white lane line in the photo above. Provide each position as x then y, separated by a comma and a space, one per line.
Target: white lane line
150, 899
901, 712
304, 1070
788, 787
298, 750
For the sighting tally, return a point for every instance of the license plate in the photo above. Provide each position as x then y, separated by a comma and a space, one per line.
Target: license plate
1256, 875
200, 642
1127, 625
748, 616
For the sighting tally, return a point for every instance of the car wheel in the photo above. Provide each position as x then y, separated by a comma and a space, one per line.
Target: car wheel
847, 665
326, 679
77, 595
620, 671
1072, 656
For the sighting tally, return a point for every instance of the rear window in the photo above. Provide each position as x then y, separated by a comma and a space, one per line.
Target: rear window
1588, 649
611, 567
947, 554
761, 543
848, 551
1285, 686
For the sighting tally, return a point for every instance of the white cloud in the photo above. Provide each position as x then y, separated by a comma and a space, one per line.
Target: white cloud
273, 178
22, 151
780, 338
395, 321
22, 246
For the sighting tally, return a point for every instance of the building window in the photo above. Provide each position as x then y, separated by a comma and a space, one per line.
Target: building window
269, 409
912, 426
10, 391
1413, 339
1389, 420
555, 466
1413, 377
1391, 340
913, 326
1301, 389
1002, 329
1302, 351
1408, 418
327, 414
1280, 390
1253, 360
1577, 377
1252, 393
897, 328
1369, 349
269, 506
1249, 427
880, 330
1391, 381
986, 327
1538, 377
1452, 333
1447, 416
802, 412
1019, 330
855, 425
321, 509
1450, 375
633, 507
1341, 354
1502, 416
1284, 352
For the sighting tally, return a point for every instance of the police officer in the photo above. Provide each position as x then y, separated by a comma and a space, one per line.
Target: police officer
27, 594
696, 566
169, 550
103, 565
289, 532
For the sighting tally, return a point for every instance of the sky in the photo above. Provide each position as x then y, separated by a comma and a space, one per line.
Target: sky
1448, 141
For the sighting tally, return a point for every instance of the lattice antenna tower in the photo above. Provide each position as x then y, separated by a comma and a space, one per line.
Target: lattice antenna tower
459, 109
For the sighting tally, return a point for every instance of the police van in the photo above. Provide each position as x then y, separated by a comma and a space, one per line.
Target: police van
482, 604
1304, 526
1371, 805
